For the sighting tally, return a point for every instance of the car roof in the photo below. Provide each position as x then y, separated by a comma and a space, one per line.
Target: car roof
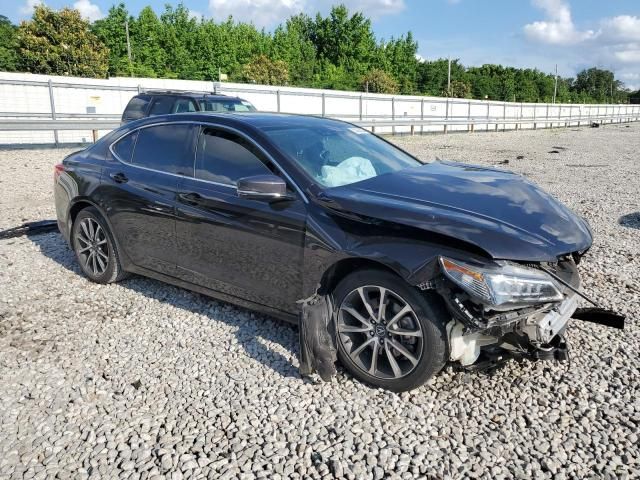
182, 93
260, 120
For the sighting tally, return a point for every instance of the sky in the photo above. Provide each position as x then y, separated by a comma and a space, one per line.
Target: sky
573, 34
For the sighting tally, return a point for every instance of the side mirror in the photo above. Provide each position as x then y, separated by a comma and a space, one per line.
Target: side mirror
262, 187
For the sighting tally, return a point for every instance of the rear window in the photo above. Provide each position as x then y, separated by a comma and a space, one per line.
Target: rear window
167, 148
136, 108
162, 106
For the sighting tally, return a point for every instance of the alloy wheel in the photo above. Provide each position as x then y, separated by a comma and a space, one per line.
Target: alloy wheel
93, 248
380, 332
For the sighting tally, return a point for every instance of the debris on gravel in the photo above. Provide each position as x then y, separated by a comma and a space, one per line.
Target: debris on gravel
144, 380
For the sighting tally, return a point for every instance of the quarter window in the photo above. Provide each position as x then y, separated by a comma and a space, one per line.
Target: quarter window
167, 148
124, 147
225, 157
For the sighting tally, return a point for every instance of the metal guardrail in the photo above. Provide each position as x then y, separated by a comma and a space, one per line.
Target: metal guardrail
96, 124
51, 84
38, 125
12, 115
529, 115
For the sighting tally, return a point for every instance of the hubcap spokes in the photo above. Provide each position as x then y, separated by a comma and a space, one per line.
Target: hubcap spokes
93, 248
380, 332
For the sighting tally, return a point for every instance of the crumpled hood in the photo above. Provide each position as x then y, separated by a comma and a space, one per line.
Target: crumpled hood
500, 212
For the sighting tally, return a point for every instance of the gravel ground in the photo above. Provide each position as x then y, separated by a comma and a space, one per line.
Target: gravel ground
144, 380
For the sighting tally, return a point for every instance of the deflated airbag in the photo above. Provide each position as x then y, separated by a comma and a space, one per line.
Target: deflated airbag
351, 170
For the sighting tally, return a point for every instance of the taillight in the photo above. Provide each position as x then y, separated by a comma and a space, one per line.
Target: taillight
57, 170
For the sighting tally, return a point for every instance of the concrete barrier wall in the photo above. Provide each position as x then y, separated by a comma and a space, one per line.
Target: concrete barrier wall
38, 96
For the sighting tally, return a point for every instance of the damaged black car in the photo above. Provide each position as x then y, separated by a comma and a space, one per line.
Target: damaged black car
393, 266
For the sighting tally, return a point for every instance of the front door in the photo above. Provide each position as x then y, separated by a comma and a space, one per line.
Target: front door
246, 248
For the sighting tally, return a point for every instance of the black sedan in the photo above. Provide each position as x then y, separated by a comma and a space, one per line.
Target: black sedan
424, 263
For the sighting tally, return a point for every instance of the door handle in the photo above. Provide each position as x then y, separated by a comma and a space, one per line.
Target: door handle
190, 198
119, 177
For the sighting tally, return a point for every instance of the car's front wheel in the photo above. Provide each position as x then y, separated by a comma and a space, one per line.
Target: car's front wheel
388, 333
95, 248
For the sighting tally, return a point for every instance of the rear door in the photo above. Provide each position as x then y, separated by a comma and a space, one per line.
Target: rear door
140, 181
246, 248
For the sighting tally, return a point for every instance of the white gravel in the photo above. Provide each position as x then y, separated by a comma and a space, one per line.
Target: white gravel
144, 380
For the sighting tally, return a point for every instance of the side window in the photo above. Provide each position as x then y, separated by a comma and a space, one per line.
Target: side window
184, 105
239, 107
224, 157
123, 148
161, 106
136, 108
168, 148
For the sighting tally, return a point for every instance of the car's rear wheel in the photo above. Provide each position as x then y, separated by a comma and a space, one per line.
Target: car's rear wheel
95, 249
388, 333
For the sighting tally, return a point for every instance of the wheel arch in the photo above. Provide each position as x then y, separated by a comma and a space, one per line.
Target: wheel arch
82, 203
76, 208
340, 269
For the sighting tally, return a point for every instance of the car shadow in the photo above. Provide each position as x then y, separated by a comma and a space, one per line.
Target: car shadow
249, 328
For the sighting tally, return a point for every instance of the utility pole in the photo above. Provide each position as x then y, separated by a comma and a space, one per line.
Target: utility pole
555, 85
612, 92
449, 78
126, 29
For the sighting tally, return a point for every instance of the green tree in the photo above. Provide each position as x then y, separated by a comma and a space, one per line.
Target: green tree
432, 76
486, 82
345, 45
398, 57
378, 81
213, 52
336, 51
9, 60
292, 44
507, 84
599, 86
458, 89
179, 40
111, 31
146, 40
564, 92
61, 43
265, 71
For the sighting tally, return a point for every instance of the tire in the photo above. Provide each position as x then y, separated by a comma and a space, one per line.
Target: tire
95, 248
418, 328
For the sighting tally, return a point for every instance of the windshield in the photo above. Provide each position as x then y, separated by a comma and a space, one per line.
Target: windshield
336, 154
224, 106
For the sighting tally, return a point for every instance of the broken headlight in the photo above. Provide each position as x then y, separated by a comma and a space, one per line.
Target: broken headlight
502, 286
